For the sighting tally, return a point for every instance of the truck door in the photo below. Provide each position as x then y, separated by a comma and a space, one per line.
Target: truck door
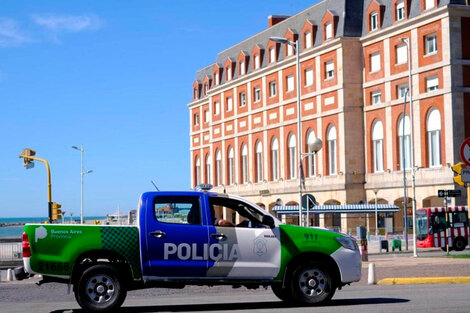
245, 250
175, 236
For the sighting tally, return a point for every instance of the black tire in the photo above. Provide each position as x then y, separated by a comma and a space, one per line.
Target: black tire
459, 244
281, 292
312, 283
100, 289
445, 249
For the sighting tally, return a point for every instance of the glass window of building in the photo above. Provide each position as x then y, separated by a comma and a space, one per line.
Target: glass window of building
429, 4
275, 159
272, 89
402, 91
242, 99
309, 77
290, 83
432, 83
376, 97
311, 158
328, 31
259, 161
229, 104
402, 54
257, 62
292, 157
433, 129
329, 70
431, 44
308, 39
257, 94
208, 170
218, 165
272, 55
374, 21
404, 142
377, 145
198, 171
231, 169
244, 164
375, 62
400, 10
331, 137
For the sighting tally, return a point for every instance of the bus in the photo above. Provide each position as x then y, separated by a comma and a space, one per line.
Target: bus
432, 224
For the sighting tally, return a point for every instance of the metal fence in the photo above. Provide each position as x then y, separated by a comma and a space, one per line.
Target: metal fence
10, 251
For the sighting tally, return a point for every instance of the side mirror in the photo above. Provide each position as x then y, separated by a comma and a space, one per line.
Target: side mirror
268, 221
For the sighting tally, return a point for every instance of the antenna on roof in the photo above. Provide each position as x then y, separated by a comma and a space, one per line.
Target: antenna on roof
154, 185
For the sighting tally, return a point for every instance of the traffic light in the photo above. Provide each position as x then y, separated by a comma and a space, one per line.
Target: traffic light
27, 162
55, 212
457, 168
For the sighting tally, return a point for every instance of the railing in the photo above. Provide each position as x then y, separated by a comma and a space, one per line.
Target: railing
10, 251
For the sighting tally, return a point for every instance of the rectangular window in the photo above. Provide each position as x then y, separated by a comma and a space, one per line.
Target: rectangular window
328, 31
242, 99
229, 73
332, 157
177, 210
242, 68
401, 54
308, 77
196, 119
216, 78
229, 104
275, 164
217, 108
376, 97
400, 10
206, 116
378, 156
290, 50
272, 89
375, 62
374, 21
257, 94
429, 4
329, 70
231, 169
259, 167
432, 83
272, 55
292, 163
401, 91
431, 44
290, 83
257, 63
308, 40
434, 147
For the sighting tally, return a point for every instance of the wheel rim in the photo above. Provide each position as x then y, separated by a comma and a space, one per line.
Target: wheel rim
313, 282
100, 288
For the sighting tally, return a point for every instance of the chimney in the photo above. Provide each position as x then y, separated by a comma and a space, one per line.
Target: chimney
274, 19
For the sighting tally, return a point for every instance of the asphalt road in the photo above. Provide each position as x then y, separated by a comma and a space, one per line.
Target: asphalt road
21, 297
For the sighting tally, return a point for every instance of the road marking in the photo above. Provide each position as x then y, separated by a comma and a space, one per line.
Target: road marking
425, 280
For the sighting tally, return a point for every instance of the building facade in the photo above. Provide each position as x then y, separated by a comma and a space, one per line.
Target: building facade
354, 58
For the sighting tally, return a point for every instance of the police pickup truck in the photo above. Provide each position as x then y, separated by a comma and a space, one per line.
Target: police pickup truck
191, 238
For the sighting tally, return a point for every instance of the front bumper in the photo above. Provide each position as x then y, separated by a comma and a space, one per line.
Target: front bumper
349, 263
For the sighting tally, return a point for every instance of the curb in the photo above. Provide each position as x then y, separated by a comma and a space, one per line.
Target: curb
425, 280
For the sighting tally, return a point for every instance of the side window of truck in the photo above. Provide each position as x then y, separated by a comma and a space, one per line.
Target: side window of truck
177, 210
238, 213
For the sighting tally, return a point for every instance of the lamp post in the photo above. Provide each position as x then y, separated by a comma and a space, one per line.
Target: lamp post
376, 191
295, 45
406, 40
82, 173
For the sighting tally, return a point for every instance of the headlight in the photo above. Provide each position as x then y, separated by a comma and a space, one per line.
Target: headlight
347, 242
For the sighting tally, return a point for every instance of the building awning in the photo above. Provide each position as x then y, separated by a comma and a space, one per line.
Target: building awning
344, 208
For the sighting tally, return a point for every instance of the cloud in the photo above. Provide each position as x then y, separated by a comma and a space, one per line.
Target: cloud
10, 34
68, 23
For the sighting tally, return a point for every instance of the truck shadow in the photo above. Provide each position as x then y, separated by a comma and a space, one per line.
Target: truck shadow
246, 306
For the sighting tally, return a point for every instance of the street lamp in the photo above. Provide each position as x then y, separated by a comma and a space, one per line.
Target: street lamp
376, 191
82, 173
406, 40
295, 45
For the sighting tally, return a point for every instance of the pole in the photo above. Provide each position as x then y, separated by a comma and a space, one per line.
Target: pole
447, 234
299, 129
405, 198
81, 192
376, 215
413, 170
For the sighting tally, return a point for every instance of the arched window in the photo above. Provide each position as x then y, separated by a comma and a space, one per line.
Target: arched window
218, 169
433, 128
230, 167
404, 142
208, 169
275, 159
244, 162
311, 158
259, 161
331, 137
377, 146
292, 157
198, 171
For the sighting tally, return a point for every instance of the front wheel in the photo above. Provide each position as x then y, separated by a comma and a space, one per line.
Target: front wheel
312, 283
100, 289
459, 244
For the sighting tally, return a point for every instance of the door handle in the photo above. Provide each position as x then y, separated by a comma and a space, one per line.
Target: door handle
158, 234
220, 237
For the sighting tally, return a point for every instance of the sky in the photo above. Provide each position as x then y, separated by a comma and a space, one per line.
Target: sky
115, 76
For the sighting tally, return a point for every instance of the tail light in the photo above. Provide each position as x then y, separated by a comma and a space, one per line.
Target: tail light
26, 246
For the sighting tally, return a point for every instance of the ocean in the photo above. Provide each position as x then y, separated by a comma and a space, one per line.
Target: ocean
17, 231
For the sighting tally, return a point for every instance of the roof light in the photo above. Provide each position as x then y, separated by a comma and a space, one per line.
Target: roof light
203, 187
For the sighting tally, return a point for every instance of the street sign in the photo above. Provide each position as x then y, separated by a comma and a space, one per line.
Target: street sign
465, 175
308, 199
465, 151
449, 193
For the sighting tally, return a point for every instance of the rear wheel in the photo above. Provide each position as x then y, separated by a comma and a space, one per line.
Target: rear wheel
459, 244
100, 289
312, 283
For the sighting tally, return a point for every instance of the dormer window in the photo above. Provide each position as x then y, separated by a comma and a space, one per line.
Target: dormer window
429, 4
206, 87
229, 73
272, 55
400, 10
374, 21
290, 50
195, 93
257, 61
328, 31
242, 68
308, 40
216, 77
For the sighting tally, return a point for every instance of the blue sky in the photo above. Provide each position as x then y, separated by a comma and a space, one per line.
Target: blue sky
115, 76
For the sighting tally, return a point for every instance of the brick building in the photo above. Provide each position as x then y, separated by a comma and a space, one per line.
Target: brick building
354, 77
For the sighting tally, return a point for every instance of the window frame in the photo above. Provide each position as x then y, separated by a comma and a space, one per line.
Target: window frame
374, 21
290, 83
272, 90
431, 48
329, 74
242, 96
400, 8
308, 82
375, 62
373, 97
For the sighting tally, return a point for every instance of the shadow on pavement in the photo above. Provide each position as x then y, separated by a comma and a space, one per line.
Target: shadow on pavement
244, 306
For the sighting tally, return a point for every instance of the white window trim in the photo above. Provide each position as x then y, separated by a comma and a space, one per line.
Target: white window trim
329, 69
242, 68
434, 46
400, 7
308, 39
272, 55
374, 21
272, 91
229, 104
375, 62
309, 77
373, 96
399, 88
401, 54
434, 86
242, 99
290, 83
328, 31
257, 94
